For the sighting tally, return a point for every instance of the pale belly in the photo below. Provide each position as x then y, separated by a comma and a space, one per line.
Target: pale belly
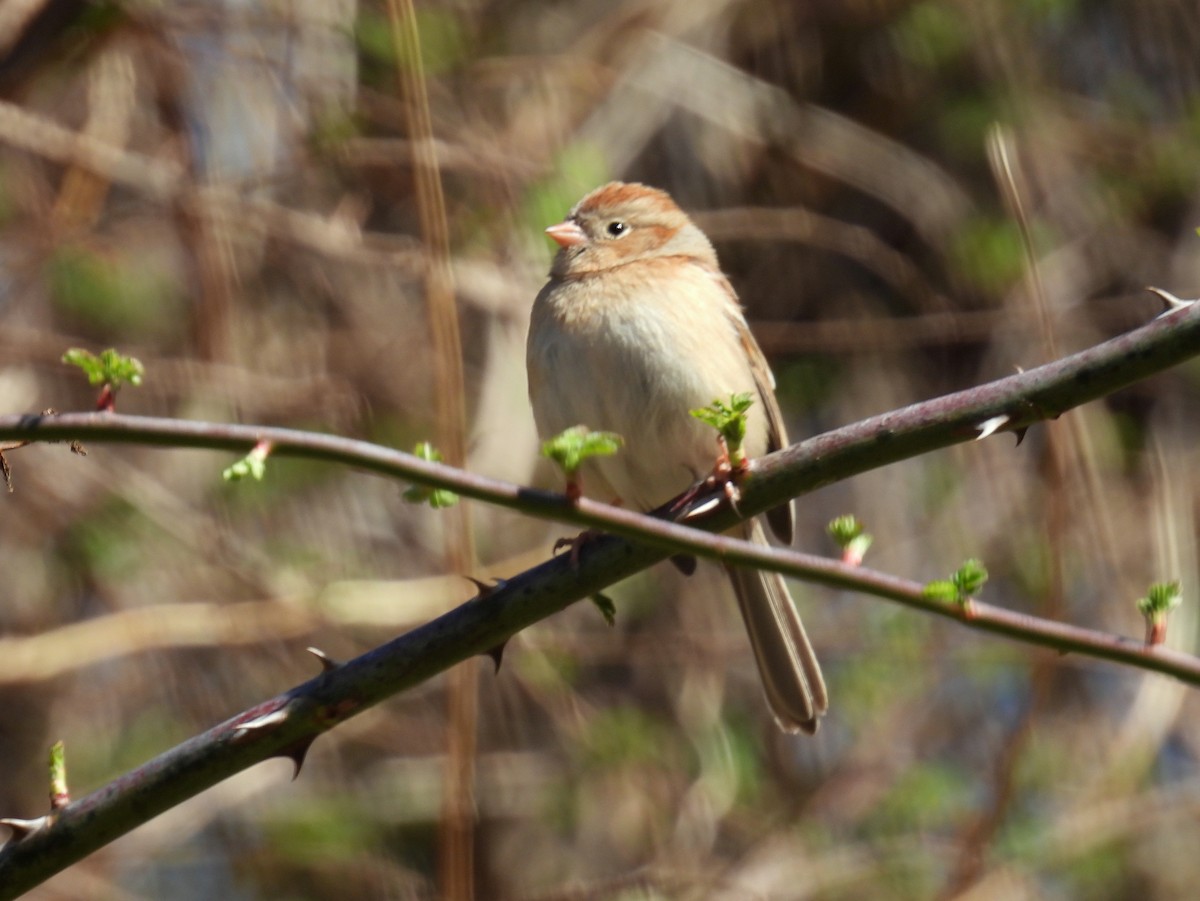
639, 377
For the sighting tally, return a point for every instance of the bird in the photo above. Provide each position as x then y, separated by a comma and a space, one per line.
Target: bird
635, 327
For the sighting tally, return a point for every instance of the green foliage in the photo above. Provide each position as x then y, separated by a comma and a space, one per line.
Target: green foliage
96, 18
570, 448
336, 827
844, 529
438, 498
373, 34
962, 584
606, 607
110, 368
623, 736
118, 294
807, 382
931, 35
97, 754
578, 168
989, 253
740, 741
331, 131
548, 669
1050, 12
59, 788
1170, 170
927, 798
929, 795
443, 41
891, 648
252, 466
848, 532
105, 543
8, 208
941, 590
730, 421
249, 467
1160, 599
969, 578
962, 125
1103, 872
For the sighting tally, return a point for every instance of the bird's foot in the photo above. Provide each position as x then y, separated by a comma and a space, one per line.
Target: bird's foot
723, 479
576, 543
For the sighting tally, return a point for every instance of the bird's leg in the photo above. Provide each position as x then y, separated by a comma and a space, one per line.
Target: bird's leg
576, 542
725, 474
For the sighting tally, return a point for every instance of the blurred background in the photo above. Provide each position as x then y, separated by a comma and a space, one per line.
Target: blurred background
910, 197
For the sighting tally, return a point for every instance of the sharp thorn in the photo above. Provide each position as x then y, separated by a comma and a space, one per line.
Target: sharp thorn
266, 721
685, 563
328, 664
497, 654
989, 427
484, 588
297, 754
22, 829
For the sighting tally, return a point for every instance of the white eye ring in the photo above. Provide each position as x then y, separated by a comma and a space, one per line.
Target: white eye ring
616, 228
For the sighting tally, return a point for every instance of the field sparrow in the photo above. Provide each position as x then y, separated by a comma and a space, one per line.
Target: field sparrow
636, 327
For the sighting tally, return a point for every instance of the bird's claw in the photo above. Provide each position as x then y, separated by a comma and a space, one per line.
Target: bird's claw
724, 477
576, 543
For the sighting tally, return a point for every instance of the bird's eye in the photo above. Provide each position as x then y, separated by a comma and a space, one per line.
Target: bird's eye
617, 228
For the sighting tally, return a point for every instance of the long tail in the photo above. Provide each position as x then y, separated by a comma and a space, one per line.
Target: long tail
791, 676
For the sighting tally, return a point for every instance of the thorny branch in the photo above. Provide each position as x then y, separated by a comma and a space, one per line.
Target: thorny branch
286, 725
